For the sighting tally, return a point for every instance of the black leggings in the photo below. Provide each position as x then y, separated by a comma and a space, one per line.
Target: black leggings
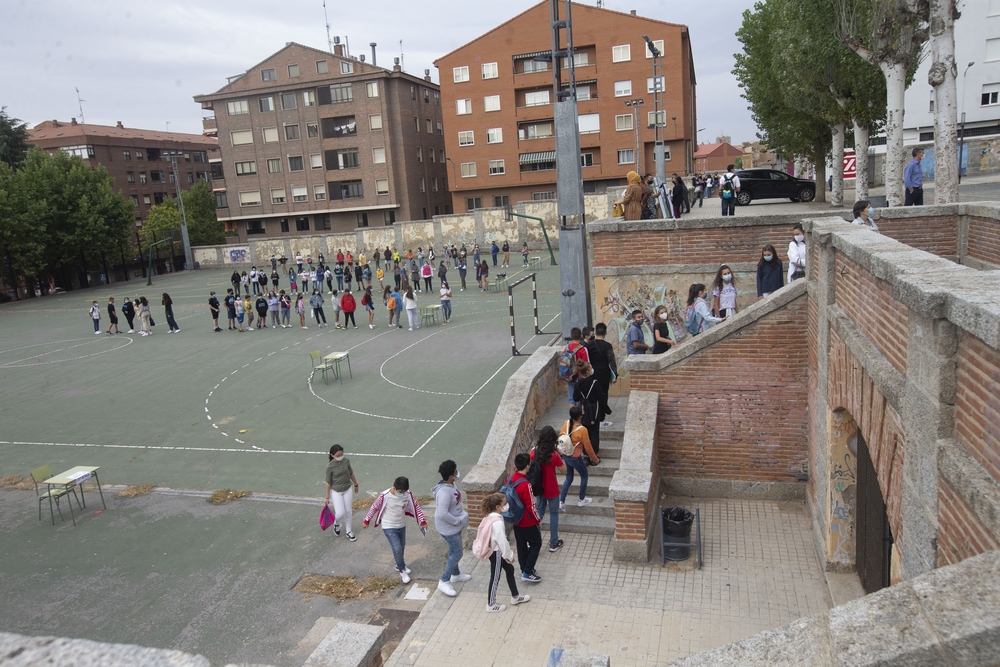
508, 569
318, 314
349, 317
428, 284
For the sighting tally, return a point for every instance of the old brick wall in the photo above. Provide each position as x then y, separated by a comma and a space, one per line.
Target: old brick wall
688, 246
936, 234
868, 301
977, 402
960, 532
984, 240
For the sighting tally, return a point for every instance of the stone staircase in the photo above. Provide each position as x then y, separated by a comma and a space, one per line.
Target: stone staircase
598, 518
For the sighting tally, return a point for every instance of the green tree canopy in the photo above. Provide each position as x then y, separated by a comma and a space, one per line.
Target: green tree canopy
13, 140
199, 209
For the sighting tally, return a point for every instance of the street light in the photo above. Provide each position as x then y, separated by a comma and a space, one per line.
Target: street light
634, 105
659, 153
961, 134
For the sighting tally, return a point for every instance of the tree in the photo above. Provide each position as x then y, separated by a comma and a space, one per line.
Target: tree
199, 209
943, 77
13, 140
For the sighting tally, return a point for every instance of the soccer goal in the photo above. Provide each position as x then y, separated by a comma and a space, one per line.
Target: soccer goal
534, 306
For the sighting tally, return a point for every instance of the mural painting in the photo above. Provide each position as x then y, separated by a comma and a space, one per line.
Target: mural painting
989, 159
843, 488
379, 237
266, 248
236, 255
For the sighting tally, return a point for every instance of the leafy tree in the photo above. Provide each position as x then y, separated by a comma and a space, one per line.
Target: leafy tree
199, 209
13, 140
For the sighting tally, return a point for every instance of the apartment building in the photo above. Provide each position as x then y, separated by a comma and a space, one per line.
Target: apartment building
138, 160
317, 141
497, 99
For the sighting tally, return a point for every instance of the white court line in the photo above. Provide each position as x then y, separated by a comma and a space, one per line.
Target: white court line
381, 369
191, 449
17, 363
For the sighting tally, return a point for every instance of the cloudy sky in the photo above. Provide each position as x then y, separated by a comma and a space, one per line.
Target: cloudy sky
141, 62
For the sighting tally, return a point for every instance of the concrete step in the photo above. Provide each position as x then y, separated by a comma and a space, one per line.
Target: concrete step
580, 523
596, 487
607, 467
602, 506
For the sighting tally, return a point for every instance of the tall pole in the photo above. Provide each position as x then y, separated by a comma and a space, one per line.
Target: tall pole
961, 137
659, 149
188, 256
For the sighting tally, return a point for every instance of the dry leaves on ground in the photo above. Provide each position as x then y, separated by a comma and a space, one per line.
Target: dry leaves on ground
346, 587
134, 490
16, 483
224, 496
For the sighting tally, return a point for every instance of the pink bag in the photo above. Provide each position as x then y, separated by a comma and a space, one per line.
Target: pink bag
326, 518
482, 546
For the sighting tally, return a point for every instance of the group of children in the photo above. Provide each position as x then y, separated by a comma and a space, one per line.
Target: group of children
140, 308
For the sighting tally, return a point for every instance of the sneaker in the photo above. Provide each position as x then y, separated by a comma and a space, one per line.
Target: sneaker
351, 537
305, 327
562, 505
530, 578
447, 589
355, 326
171, 331
178, 330
606, 423
405, 577
97, 333
455, 578
585, 502
556, 547
411, 328
371, 326
131, 330
336, 529
495, 608
407, 570
519, 599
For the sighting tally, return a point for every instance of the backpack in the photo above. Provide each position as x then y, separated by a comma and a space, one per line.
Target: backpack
692, 321
727, 188
515, 509
534, 476
567, 362
589, 408
392, 303
482, 546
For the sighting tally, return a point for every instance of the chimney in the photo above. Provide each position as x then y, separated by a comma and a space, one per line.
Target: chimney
73, 122
373, 45
120, 125
632, 12
427, 75
395, 65
338, 50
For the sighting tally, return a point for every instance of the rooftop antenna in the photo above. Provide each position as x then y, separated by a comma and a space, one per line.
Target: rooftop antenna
168, 126
326, 17
600, 3
80, 102
401, 66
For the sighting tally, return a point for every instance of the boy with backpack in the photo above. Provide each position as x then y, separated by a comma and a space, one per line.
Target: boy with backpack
573, 352
390, 510
524, 515
728, 187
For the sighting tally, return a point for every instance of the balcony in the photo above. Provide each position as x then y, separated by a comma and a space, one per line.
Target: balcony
209, 126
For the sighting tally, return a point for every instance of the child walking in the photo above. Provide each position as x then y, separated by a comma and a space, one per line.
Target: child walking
491, 543
390, 510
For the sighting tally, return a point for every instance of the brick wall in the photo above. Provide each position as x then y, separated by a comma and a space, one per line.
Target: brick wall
817, 434
688, 246
868, 301
735, 409
984, 240
934, 234
977, 402
631, 519
960, 532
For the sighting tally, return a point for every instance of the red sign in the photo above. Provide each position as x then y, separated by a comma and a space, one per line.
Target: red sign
850, 165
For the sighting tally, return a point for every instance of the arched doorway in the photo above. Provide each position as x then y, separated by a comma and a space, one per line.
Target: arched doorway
873, 546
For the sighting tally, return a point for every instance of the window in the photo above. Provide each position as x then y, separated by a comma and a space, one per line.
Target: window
931, 109
501, 200
492, 102
536, 98
656, 118
316, 161
241, 137
362, 218
200, 156
463, 107
431, 152
543, 196
288, 100
346, 190
434, 184
322, 67
142, 177
420, 154
291, 132
472, 203
497, 168
430, 126
579, 60
389, 217
221, 200
620, 54
437, 99
466, 138
589, 123
300, 193
535, 131
295, 163
378, 155
255, 227
267, 75
190, 177
265, 104
416, 123
278, 196
381, 186
468, 169
654, 84
375, 121
991, 92
413, 93
623, 122
541, 161
346, 67
626, 156
345, 158
490, 71
270, 135
658, 43
156, 176
242, 169
217, 174
623, 88
427, 96
461, 74
130, 176
437, 210
127, 155
250, 198
494, 135
583, 92
312, 130
293, 71
237, 107
284, 224
302, 224
530, 65
336, 93
442, 155
586, 159
372, 88
338, 126
308, 98
319, 193
145, 200
138, 155
152, 153
423, 184
323, 219
274, 165
135, 200
440, 128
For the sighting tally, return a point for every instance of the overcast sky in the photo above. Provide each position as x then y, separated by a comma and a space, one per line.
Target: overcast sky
141, 62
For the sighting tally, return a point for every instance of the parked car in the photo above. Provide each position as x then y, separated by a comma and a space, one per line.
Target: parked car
772, 184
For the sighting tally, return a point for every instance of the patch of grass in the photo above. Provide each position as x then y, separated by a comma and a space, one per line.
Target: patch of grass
365, 503
224, 496
134, 490
346, 587
16, 483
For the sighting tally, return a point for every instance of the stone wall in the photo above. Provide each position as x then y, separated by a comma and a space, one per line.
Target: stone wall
635, 485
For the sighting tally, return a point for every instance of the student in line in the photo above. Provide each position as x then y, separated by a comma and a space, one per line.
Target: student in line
697, 317
724, 292
550, 463
128, 310
369, 304
450, 520
590, 395
661, 331
112, 316
580, 440
95, 315
300, 308
341, 485
770, 272
412, 311
390, 510
316, 301
527, 533
491, 543
446, 301
348, 305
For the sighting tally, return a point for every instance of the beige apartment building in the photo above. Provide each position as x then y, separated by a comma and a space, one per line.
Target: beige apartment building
316, 141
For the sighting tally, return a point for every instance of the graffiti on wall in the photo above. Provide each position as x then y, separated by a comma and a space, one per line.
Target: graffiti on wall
236, 255
989, 159
843, 487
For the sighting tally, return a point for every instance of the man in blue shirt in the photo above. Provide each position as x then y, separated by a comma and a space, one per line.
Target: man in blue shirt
635, 340
913, 180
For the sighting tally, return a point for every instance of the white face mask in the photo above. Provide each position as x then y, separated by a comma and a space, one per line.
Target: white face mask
663, 316
504, 508
339, 458
800, 238
457, 474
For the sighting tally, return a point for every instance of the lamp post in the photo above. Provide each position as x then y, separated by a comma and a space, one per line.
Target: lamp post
188, 256
634, 105
659, 158
961, 133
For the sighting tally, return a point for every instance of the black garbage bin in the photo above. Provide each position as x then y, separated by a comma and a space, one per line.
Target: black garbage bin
676, 526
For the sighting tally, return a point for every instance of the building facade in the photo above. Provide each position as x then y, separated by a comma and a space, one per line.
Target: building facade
498, 106
312, 141
716, 157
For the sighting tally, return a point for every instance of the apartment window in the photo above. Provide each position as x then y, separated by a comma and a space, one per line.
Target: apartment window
270, 135
346, 190
656, 118
541, 161
130, 177
190, 178
241, 137
413, 93
265, 104
579, 60
490, 71
362, 218
461, 74
267, 75
319, 193
300, 193
255, 227
138, 155
492, 102
375, 121
658, 43
437, 99
543, 196
127, 155
312, 130
501, 200
626, 156
302, 224
430, 126
170, 176
468, 169
437, 210
135, 200
221, 201
288, 100
535, 131
654, 84
440, 128
442, 155
338, 126
237, 107
416, 123
529, 65
623, 88
316, 161
346, 67
274, 165
295, 163
931, 108
217, 174
991, 93
345, 158
278, 196
620, 54
381, 186
199, 156
420, 154
431, 153
463, 107
293, 71
336, 93
284, 225
666, 153
322, 67
589, 123
497, 168
494, 135
291, 132
142, 177
323, 219
623, 122
156, 176
466, 138
389, 217
583, 92
308, 98
371, 88
378, 155
472, 203
427, 96
586, 159
536, 98
423, 184
434, 184
250, 198
145, 200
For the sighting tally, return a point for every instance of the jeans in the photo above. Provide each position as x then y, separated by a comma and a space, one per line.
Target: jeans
171, 322
575, 463
551, 504
494, 259
529, 543
97, 326
454, 555
397, 541
700, 198
446, 308
571, 389
729, 206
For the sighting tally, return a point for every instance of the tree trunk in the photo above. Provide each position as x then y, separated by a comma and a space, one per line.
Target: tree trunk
895, 153
820, 162
837, 158
124, 263
861, 160
942, 77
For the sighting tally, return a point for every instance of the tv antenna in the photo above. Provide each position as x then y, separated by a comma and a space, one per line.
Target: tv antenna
401, 65
80, 103
329, 40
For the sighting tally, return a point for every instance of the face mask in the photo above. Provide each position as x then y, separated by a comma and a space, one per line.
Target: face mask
663, 316
338, 459
457, 474
871, 212
504, 508
727, 277
800, 238
768, 258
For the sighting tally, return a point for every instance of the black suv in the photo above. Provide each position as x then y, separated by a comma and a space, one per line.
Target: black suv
772, 184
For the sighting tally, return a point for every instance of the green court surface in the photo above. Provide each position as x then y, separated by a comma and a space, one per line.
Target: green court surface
204, 410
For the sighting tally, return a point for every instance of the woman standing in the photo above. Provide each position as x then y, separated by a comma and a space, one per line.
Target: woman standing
273, 305
245, 282
632, 199
236, 281
348, 305
797, 254
412, 312
551, 463
300, 308
341, 485
446, 301
770, 272
396, 275
316, 301
724, 292
369, 304
484, 276
128, 310
145, 316
581, 444
443, 271
590, 394
414, 275
661, 331
475, 254
274, 278
426, 272
524, 254
679, 196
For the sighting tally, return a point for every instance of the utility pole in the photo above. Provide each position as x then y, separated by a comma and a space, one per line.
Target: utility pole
659, 115
634, 105
188, 256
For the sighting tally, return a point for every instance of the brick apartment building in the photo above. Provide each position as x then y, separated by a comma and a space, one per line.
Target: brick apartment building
498, 113
313, 141
716, 157
138, 160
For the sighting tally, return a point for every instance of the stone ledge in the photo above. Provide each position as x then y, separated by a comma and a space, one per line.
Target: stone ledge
22, 651
972, 483
701, 487
349, 645
631, 485
989, 210
669, 269
611, 225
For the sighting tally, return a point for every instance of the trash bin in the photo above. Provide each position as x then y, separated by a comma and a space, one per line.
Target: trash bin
676, 528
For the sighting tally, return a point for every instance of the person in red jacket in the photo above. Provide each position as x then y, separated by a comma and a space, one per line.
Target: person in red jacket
348, 305
526, 531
